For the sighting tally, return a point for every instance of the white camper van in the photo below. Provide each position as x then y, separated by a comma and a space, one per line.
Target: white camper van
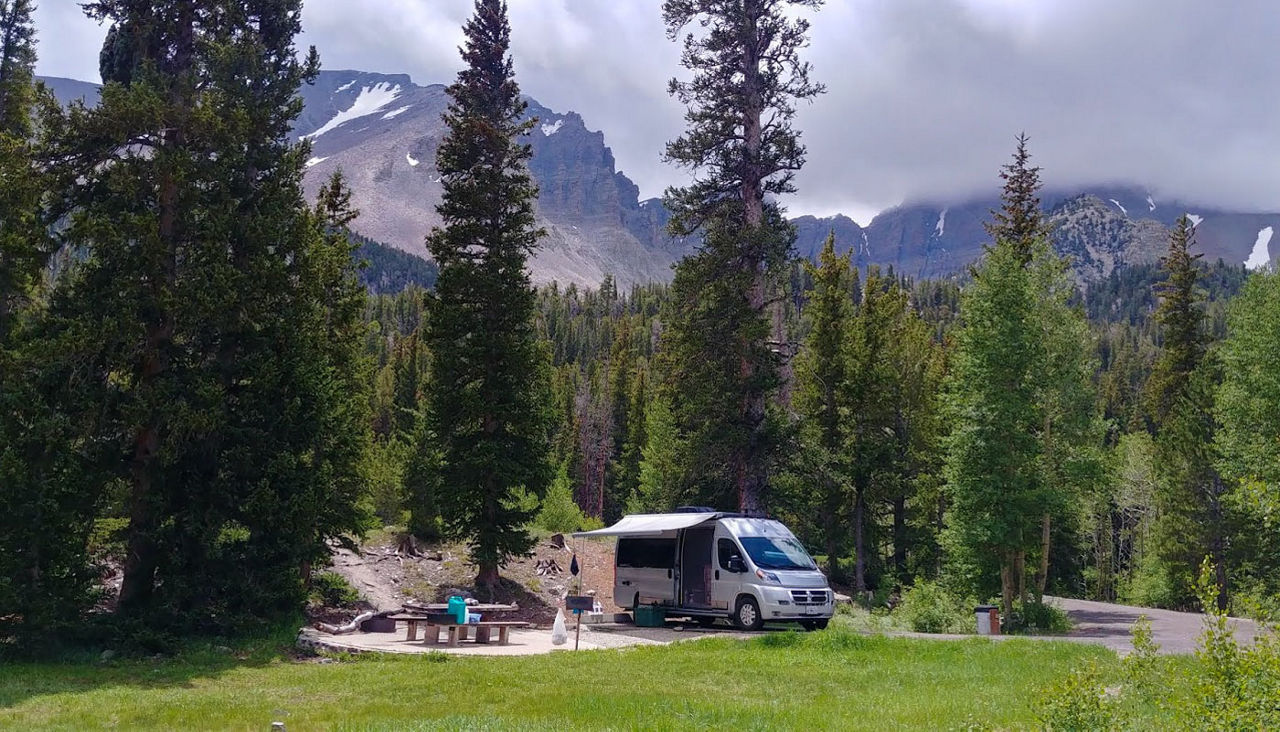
710, 565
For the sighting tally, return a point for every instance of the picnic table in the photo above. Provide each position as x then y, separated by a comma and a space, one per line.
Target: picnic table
435, 618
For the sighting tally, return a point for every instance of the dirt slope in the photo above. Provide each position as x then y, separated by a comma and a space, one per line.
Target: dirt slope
386, 577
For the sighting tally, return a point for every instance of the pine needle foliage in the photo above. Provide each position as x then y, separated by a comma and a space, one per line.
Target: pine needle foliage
743, 151
487, 403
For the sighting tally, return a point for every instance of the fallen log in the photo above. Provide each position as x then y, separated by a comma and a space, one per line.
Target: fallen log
346, 627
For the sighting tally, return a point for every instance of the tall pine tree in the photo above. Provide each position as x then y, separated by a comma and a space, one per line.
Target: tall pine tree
1192, 516
219, 310
821, 398
22, 229
487, 405
1019, 222
46, 513
743, 152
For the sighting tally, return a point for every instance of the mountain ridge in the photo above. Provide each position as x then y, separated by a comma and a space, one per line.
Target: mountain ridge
383, 131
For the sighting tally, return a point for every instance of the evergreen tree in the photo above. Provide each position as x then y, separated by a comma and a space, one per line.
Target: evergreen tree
1020, 222
661, 468
22, 230
622, 371
632, 448
820, 398
1183, 340
1071, 432
46, 515
743, 152
1248, 401
1248, 409
1191, 521
221, 313
916, 369
993, 455
870, 441
488, 395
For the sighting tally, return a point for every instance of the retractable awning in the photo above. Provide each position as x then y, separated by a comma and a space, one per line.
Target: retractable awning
651, 524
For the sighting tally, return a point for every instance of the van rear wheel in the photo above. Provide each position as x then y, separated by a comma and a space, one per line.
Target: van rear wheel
747, 614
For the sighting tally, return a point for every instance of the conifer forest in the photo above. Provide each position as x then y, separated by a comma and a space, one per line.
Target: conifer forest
215, 379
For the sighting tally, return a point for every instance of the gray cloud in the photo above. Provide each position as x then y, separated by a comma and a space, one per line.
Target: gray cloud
925, 96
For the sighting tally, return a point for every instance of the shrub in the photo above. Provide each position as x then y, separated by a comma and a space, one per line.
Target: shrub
560, 514
1225, 687
928, 607
1234, 687
331, 589
1038, 618
1151, 585
386, 468
1078, 703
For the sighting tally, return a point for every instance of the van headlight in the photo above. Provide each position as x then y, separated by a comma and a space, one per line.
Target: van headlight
768, 576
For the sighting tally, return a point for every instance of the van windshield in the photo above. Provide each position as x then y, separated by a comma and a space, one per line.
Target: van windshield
776, 552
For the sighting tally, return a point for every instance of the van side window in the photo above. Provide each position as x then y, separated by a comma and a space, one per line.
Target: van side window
647, 553
725, 548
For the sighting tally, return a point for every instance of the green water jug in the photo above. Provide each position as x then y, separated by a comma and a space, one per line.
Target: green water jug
458, 609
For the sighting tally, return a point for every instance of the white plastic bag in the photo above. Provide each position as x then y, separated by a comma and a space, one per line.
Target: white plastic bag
559, 634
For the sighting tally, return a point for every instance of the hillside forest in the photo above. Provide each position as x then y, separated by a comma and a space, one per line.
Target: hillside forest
210, 381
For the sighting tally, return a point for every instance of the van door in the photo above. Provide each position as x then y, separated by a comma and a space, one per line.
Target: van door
645, 571
696, 567
725, 583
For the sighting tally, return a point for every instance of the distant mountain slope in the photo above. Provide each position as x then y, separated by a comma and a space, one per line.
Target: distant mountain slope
67, 91
383, 131
1098, 227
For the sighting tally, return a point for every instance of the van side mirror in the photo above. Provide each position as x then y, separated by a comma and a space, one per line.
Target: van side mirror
736, 564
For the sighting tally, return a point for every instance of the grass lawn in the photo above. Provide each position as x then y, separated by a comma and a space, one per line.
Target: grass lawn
827, 680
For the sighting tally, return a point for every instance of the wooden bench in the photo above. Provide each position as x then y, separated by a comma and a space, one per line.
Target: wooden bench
428, 620
457, 632
433, 623
503, 627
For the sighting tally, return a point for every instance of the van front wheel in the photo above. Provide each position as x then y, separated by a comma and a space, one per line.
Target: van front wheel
747, 614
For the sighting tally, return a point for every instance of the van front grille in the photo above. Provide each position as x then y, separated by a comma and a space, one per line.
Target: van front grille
809, 597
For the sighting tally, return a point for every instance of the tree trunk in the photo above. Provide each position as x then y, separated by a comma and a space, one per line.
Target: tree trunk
1217, 545
1006, 586
751, 468
833, 558
1020, 574
1042, 577
488, 576
141, 558
859, 552
900, 538
830, 522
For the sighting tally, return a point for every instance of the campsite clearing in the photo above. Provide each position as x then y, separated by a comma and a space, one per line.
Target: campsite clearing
833, 679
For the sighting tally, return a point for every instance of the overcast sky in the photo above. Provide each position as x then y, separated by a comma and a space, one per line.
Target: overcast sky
925, 96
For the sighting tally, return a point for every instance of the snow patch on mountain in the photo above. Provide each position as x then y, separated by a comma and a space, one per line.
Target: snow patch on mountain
1120, 206
397, 112
313, 162
1195, 220
550, 130
1151, 203
372, 99
412, 160
1261, 254
941, 226
345, 86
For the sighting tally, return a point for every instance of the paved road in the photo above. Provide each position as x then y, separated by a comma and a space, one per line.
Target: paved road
1111, 625
1102, 623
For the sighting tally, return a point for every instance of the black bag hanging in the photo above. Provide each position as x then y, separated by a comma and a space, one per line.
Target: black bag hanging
573, 565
